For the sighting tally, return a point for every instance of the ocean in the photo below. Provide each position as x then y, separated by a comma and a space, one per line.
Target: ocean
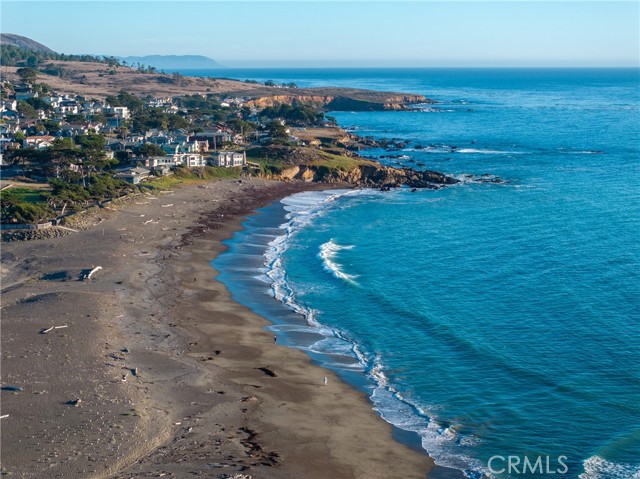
497, 326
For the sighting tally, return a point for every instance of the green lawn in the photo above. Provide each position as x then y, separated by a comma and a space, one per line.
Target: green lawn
27, 195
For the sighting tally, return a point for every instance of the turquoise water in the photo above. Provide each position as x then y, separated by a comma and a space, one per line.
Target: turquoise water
489, 320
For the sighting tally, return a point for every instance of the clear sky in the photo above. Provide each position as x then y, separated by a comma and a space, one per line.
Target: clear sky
340, 33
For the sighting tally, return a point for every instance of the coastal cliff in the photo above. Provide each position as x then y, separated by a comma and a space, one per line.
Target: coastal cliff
348, 100
366, 176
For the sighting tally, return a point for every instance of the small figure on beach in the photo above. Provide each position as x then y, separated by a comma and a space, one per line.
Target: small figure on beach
325, 380
275, 339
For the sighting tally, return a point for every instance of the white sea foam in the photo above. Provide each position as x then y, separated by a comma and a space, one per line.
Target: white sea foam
441, 442
488, 152
328, 253
596, 467
332, 345
472, 179
302, 209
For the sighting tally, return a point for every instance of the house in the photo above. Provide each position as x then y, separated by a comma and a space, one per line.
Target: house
214, 138
229, 159
159, 102
196, 146
10, 126
160, 161
39, 142
133, 175
121, 112
54, 101
73, 129
11, 114
67, 108
158, 140
10, 105
24, 92
191, 160
163, 170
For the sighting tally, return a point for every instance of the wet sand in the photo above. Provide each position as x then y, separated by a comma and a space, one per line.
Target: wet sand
173, 378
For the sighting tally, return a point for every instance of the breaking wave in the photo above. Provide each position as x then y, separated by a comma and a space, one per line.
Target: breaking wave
596, 467
328, 253
488, 152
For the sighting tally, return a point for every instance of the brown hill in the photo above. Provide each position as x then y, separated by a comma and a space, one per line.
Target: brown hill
23, 42
97, 80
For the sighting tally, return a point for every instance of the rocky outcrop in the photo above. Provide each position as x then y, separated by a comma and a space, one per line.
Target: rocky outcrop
337, 100
368, 176
275, 100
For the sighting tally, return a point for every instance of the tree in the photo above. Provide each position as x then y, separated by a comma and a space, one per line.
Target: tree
38, 103
239, 126
74, 118
245, 112
149, 149
6, 90
13, 209
64, 193
277, 130
297, 115
126, 99
26, 155
26, 110
91, 142
99, 117
105, 186
93, 157
33, 61
42, 88
51, 126
27, 75
332, 120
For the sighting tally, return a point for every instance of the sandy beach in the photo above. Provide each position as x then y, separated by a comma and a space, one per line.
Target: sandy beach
152, 370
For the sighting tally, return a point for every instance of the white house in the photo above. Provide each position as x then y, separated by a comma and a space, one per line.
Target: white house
157, 161
121, 112
133, 175
229, 159
196, 146
39, 142
192, 160
69, 109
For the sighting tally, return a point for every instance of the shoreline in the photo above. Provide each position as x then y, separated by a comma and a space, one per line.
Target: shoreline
192, 381
241, 274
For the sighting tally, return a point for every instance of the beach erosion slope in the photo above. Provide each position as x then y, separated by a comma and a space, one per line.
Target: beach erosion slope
157, 372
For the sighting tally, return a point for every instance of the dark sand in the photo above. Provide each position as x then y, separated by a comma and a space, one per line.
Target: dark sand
164, 363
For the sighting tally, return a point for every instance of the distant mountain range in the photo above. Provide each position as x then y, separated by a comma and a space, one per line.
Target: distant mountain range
161, 62
23, 42
173, 62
